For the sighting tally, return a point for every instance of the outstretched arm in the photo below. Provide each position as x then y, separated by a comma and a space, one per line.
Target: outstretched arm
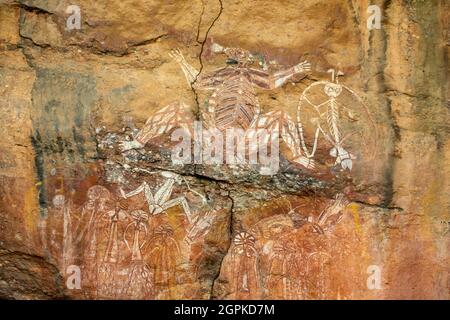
276, 80
279, 78
193, 76
189, 71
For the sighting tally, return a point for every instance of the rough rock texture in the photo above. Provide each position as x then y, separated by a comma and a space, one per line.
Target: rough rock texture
68, 98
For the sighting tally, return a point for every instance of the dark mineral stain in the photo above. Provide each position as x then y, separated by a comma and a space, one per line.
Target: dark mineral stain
62, 103
39, 163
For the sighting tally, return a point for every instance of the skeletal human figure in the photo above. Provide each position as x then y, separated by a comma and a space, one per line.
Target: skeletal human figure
244, 266
59, 224
298, 260
286, 271
162, 259
233, 102
318, 269
108, 267
159, 202
140, 278
282, 258
88, 233
329, 119
112, 247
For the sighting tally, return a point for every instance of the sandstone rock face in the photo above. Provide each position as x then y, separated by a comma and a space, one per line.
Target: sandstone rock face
92, 205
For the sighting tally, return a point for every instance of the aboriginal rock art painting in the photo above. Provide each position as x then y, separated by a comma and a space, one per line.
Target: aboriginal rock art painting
294, 255
140, 230
131, 243
233, 103
328, 117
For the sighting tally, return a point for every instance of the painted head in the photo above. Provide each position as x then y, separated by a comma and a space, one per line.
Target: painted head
164, 231
333, 90
139, 216
238, 56
59, 201
97, 194
235, 56
244, 244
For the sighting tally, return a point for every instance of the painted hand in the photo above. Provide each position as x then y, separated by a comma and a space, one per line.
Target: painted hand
176, 55
302, 66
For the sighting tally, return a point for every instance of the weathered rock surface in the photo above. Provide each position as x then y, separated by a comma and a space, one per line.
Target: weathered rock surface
68, 98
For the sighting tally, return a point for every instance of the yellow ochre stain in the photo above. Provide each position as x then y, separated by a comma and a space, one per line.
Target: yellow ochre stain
354, 210
30, 208
365, 255
431, 207
430, 199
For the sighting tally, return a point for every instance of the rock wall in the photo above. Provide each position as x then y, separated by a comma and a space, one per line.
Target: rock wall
92, 205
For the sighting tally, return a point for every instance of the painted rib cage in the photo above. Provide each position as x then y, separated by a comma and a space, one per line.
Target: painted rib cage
233, 102
232, 108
